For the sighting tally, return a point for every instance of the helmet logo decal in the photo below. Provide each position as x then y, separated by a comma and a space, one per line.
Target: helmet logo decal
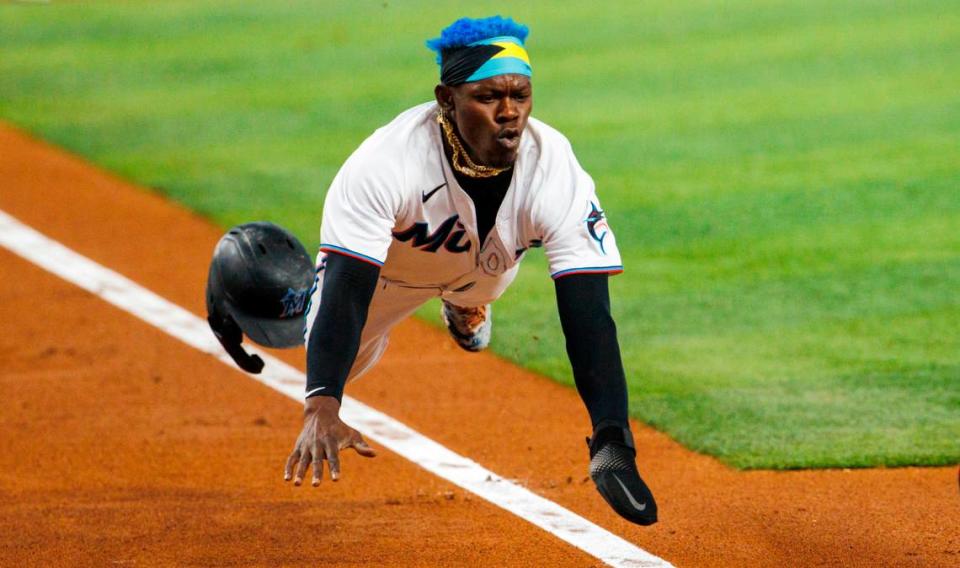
293, 302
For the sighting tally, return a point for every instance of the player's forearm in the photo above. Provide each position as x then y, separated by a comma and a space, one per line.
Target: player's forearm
583, 301
348, 286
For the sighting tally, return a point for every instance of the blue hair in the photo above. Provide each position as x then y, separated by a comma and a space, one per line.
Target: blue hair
468, 30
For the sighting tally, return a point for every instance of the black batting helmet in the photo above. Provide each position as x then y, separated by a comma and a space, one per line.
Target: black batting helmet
260, 282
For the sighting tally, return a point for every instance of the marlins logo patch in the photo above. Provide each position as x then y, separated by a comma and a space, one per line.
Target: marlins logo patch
597, 225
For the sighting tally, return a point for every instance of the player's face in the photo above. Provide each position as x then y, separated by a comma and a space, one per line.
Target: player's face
490, 116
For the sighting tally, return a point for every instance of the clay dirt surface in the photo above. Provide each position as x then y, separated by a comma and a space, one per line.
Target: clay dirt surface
122, 446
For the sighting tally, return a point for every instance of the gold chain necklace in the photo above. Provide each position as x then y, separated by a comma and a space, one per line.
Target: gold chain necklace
468, 168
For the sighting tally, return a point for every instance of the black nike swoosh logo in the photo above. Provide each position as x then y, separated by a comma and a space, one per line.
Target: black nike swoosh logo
427, 196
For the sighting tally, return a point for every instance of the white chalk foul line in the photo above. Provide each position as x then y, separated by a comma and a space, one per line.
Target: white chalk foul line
397, 437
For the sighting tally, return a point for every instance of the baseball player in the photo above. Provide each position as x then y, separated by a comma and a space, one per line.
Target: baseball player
444, 201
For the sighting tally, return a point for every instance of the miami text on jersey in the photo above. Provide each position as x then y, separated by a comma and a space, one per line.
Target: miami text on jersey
445, 235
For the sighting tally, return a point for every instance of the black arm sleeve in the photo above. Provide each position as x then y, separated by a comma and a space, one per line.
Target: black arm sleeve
583, 301
348, 286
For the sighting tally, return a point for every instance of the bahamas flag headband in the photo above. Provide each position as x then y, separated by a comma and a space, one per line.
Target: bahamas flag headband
482, 59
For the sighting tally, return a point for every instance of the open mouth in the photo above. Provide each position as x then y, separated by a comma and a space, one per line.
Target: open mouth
509, 138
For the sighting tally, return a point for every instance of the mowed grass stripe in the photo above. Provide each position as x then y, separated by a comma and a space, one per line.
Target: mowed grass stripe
783, 179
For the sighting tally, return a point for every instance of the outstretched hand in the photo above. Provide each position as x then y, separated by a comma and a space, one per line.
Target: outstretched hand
322, 438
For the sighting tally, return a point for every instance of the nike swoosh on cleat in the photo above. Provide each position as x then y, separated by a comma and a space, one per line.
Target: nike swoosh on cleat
636, 505
428, 195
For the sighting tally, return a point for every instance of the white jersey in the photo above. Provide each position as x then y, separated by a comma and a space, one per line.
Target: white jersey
395, 203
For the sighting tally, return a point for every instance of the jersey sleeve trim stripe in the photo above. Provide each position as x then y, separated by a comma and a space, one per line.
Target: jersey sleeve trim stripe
347, 252
588, 270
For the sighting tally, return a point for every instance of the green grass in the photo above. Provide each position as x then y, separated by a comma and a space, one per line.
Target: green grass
783, 178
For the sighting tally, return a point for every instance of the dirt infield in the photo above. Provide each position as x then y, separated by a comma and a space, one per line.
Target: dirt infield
122, 446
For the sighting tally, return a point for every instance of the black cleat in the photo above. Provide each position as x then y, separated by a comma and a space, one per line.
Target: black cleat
613, 468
